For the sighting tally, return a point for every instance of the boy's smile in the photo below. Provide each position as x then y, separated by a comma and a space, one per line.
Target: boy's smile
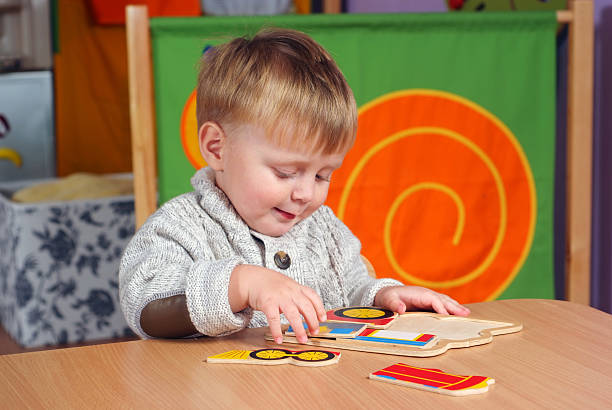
287, 215
272, 188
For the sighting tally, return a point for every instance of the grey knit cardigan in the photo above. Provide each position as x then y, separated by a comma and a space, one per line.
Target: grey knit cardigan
193, 242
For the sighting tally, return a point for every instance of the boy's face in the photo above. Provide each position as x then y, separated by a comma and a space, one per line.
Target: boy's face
273, 188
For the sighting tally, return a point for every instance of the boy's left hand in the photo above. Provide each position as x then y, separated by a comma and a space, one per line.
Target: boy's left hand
403, 298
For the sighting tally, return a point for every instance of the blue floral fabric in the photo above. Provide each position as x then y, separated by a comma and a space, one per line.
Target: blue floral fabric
58, 269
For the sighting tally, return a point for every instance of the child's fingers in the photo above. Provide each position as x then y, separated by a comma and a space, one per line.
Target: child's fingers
459, 310
309, 314
455, 307
273, 317
295, 320
390, 298
316, 302
397, 305
438, 306
416, 297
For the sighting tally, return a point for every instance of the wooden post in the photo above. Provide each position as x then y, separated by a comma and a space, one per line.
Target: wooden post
579, 152
332, 6
141, 112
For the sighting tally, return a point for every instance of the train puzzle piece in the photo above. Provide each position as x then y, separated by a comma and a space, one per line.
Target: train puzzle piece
336, 330
362, 333
434, 380
373, 317
310, 358
351, 322
419, 334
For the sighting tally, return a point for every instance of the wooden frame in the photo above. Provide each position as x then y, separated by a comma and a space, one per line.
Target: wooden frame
579, 152
142, 117
579, 17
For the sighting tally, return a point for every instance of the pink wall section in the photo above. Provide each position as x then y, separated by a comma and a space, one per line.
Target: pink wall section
395, 6
601, 289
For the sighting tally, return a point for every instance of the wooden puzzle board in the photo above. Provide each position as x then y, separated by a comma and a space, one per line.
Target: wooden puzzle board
450, 332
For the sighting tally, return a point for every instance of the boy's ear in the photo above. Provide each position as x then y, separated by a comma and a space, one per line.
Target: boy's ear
212, 142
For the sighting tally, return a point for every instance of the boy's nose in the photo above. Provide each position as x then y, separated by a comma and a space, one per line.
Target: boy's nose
303, 191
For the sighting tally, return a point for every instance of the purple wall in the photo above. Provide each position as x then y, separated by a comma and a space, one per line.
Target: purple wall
395, 6
601, 288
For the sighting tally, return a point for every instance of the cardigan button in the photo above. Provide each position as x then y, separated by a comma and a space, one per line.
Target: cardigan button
282, 260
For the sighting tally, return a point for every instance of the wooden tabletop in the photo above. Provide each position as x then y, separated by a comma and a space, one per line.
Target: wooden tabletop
561, 359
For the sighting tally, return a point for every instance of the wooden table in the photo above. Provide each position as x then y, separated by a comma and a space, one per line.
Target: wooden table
561, 359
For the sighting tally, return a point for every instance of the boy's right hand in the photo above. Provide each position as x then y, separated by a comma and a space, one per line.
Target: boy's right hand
274, 293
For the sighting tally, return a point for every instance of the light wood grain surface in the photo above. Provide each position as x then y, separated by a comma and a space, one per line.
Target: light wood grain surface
561, 359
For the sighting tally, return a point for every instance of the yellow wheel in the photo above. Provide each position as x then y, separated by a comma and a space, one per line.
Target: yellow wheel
364, 313
270, 354
314, 356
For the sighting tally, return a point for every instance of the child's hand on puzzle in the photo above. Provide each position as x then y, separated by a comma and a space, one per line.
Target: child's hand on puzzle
274, 293
403, 298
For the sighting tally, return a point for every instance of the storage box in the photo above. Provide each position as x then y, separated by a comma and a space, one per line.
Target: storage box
58, 268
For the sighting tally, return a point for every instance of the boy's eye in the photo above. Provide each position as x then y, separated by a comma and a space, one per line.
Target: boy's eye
283, 174
323, 178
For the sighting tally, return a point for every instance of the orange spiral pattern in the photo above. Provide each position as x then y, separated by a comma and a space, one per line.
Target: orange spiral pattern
440, 193
189, 133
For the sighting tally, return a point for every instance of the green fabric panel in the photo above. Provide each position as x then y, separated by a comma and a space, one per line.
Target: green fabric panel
504, 62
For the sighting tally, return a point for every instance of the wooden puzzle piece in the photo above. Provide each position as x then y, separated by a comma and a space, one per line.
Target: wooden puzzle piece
447, 332
396, 338
334, 329
310, 358
374, 317
434, 380
370, 337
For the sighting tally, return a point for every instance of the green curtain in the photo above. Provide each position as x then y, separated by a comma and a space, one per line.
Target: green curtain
450, 182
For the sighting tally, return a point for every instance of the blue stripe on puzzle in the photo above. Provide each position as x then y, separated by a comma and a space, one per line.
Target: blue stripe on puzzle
342, 331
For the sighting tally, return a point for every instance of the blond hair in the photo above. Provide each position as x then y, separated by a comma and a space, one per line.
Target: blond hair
283, 81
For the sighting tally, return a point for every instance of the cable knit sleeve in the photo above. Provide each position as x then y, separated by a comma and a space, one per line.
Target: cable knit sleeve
170, 255
345, 252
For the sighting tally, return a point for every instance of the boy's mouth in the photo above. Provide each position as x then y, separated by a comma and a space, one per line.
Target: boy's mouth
284, 214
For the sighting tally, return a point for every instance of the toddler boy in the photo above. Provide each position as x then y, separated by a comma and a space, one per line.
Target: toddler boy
254, 240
